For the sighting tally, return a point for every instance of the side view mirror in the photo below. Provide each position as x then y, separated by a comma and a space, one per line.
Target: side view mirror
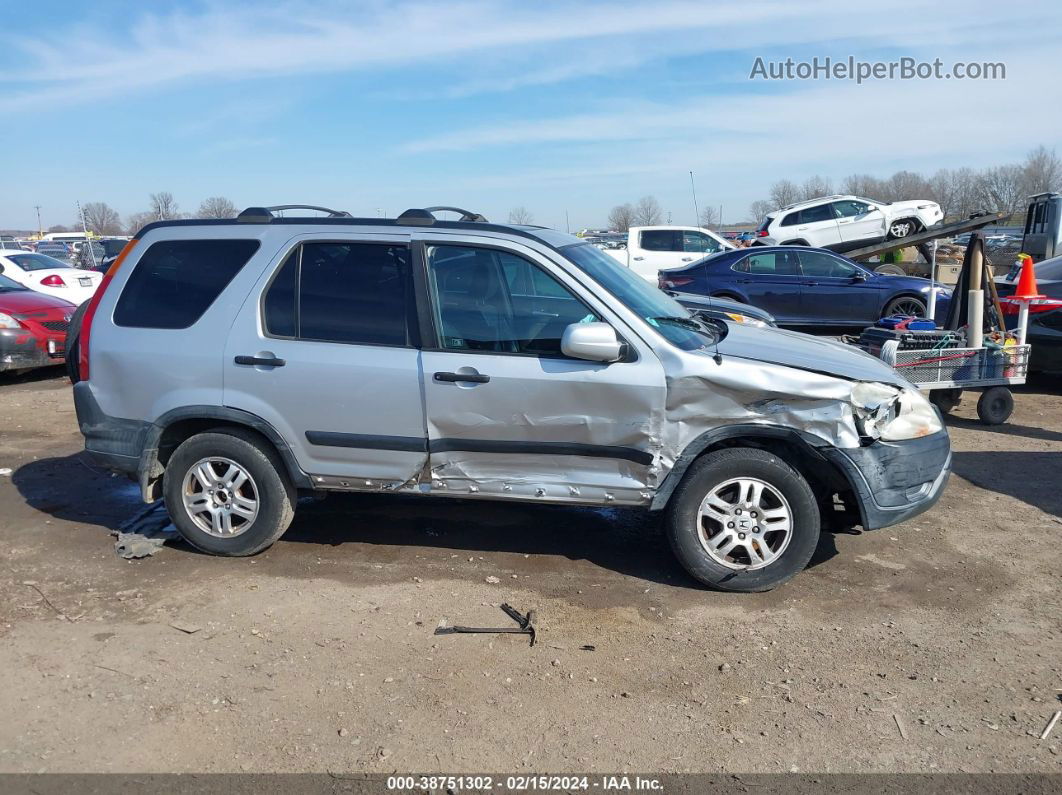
859, 276
594, 342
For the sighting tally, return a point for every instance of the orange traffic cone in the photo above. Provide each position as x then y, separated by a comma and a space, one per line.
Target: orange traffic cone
1027, 289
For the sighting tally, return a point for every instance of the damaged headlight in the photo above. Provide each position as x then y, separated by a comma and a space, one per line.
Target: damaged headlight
893, 414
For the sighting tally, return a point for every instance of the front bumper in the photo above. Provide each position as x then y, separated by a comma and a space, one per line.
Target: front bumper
893, 481
23, 350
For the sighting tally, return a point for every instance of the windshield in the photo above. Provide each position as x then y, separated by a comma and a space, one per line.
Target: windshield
655, 307
10, 285
36, 262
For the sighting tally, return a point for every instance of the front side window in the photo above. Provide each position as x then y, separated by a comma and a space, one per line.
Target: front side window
354, 293
815, 263
494, 301
176, 281
849, 209
662, 240
700, 243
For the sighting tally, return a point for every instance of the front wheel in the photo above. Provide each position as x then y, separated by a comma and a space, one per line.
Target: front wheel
227, 493
903, 228
743, 520
906, 305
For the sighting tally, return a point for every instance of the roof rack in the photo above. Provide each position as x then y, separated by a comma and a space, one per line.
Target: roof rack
263, 215
426, 217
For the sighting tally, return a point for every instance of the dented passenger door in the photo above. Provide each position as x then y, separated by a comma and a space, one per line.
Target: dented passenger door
508, 415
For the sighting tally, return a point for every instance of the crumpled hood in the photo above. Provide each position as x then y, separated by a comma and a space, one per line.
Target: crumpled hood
805, 352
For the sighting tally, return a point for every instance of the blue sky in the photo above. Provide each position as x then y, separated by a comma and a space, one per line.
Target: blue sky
553, 106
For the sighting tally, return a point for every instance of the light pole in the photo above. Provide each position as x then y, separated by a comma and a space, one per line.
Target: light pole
40, 229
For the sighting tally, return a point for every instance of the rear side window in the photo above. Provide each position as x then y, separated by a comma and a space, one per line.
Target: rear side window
662, 240
342, 292
176, 281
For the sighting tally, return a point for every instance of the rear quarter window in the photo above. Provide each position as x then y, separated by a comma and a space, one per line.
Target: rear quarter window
176, 281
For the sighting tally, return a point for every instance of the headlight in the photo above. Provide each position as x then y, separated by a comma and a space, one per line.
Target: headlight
6, 321
745, 320
893, 414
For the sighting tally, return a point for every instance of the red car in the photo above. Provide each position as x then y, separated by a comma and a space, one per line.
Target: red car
32, 327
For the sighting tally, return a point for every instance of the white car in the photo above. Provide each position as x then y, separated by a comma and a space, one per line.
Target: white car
842, 223
47, 275
651, 249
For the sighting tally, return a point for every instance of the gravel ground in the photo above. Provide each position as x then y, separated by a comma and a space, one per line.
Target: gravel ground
930, 646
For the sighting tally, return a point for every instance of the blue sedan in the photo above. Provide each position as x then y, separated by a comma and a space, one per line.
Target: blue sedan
802, 286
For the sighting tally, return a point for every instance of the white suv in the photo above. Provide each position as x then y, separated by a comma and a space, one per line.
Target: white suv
842, 223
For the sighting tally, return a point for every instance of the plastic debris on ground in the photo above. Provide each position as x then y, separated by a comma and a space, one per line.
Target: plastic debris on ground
144, 534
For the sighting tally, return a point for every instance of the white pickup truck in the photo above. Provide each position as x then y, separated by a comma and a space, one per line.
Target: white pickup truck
656, 248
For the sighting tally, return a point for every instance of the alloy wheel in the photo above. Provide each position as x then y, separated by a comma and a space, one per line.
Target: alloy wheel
744, 523
220, 496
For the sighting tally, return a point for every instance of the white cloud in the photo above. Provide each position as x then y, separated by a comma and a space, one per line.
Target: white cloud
527, 43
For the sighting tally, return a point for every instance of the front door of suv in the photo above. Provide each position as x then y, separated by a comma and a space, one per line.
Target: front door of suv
325, 350
816, 226
510, 416
859, 223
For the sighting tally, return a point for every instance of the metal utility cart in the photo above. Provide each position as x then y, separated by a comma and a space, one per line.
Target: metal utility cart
981, 355
946, 372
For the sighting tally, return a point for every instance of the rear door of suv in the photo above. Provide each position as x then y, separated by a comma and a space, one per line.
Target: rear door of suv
325, 350
508, 414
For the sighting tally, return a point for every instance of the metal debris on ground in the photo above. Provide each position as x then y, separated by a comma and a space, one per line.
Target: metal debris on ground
525, 626
1051, 725
145, 533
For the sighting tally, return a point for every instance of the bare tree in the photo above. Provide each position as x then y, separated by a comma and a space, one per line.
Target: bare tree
621, 217
101, 218
135, 222
967, 193
1003, 188
1043, 171
783, 193
58, 228
163, 206
903, 185
816, 187
521, 215
709, 217
647, 212
759, 209
216, 207
861, 185
941, 189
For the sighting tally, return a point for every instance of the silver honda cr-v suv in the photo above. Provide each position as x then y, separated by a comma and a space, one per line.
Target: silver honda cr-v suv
229, 365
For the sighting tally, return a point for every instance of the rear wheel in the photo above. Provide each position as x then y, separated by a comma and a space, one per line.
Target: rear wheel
743, 520
945, 399
905, 305
227, 493
995, 405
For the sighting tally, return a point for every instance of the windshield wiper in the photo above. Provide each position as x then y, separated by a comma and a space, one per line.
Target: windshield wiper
685, 322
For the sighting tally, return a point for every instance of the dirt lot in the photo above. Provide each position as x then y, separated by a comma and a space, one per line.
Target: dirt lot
319, 654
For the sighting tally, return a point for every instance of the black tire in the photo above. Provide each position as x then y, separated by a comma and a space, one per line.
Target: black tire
275, 494
73, 343
910, 224
905, 305
715, 469
995, 405
945, 399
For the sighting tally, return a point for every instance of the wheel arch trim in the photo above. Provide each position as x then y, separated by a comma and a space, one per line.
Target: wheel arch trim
150, 469
703, 443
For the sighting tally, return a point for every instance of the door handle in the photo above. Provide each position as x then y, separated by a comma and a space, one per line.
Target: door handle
638, 259
260, 361
687, 259
454, 378
810, 284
